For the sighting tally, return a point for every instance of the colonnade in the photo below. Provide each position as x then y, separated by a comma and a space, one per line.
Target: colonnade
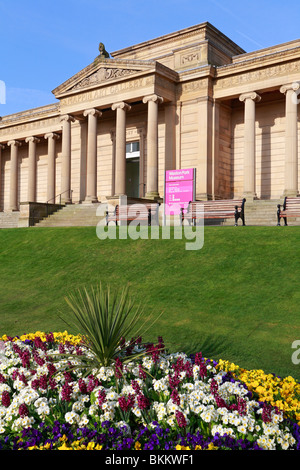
291, 141
92, 116
121, 109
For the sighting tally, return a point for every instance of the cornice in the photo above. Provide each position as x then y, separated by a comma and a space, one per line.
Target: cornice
266, 60
203, 30
30, 115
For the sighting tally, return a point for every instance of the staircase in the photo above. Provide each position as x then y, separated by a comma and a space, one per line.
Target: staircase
73, 215
9, 219
258, 212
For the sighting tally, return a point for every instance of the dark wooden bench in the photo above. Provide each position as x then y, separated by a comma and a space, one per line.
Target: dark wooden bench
290, 208
218, 209
147, 213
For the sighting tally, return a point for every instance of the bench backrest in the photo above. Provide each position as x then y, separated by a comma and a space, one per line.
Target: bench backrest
226, 205
291, 203
136, 210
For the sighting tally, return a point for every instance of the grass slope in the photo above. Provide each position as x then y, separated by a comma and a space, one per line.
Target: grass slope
237, 298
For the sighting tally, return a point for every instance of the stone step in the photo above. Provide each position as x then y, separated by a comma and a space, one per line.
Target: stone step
73, 215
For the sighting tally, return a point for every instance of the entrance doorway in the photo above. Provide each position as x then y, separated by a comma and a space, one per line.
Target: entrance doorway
132, 169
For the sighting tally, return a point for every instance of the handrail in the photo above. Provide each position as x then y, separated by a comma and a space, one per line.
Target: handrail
60, 195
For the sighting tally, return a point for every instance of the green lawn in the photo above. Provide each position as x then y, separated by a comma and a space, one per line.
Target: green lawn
237, 298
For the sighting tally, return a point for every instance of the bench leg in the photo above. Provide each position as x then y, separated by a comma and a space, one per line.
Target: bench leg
278, 215
236, 217
285, 221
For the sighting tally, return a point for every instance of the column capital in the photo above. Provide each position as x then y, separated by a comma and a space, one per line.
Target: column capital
121, 105
15, 143
290, 87
154, 97
92, 112
250, 96
32, 139
67, 117
52, 135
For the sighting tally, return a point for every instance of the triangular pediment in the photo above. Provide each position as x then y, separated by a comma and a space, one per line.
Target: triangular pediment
101, 72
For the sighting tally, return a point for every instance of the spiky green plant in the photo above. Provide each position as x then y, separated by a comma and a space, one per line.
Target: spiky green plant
103, 318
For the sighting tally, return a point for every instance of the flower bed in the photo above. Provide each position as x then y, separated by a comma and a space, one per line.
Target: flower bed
160, 402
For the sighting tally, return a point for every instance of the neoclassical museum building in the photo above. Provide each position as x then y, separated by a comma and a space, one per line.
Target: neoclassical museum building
189, 99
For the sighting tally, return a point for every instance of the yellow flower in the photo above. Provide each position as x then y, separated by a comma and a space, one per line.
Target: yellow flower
137, 445
212, 447
261, 390
64, 447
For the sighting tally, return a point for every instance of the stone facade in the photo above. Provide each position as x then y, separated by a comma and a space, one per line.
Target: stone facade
190, 99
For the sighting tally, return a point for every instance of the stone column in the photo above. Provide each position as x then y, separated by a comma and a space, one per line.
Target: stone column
66, 159
32, 141
14, 174
291, 139
152, 145
120, 166
91, 167
249, 144
51, 179
1, 148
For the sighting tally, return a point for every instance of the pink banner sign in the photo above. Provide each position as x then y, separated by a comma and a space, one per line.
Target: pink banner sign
179, 190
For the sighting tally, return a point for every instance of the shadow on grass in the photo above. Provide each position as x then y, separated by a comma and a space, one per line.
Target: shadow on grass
211, 346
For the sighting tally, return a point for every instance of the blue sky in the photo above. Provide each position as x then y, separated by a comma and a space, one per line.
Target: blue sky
43, 43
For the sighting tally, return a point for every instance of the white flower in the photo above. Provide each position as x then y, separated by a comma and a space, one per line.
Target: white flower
78, 406
4, 388
84, 421
242, 428
137, 412
43, 411
72, 417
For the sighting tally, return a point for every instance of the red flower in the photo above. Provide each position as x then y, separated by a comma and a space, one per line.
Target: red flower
66, 392
126, 405
101, 397
143, 402
181, 421
175, 397
5, 400
23, 410
118, 368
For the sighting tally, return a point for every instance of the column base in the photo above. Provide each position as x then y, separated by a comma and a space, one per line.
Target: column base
90, 200
250, 196
152, 195
290, 193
